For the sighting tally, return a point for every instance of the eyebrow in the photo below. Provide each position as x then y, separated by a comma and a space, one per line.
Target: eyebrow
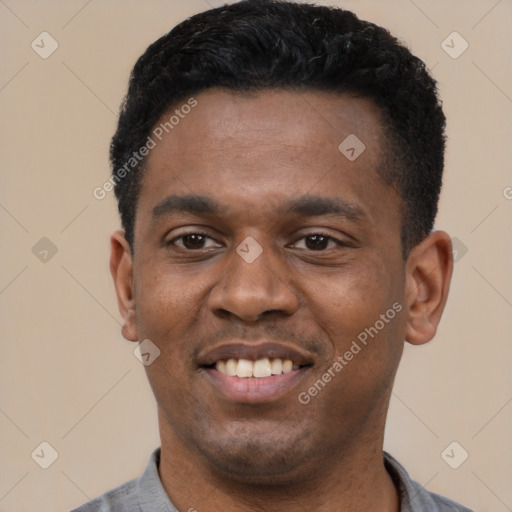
305, 206
313, 206
200, 205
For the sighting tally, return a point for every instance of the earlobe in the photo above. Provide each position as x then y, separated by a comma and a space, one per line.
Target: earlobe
428, 275
121, 268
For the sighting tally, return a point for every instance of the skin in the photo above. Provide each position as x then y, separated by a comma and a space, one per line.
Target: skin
253, 153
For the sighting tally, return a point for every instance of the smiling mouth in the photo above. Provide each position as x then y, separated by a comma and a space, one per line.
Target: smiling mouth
254, 372
258, 369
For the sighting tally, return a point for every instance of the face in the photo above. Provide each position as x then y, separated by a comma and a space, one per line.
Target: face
262, 251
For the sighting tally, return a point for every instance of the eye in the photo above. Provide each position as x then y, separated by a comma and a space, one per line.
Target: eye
192, 241
319, 242
198, 241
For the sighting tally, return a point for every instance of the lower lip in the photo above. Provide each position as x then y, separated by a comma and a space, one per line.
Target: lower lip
254, 390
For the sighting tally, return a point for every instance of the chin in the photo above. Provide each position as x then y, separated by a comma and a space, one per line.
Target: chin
266, 458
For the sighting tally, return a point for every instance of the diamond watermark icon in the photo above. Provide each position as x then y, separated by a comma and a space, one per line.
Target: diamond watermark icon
459, 249
146, 352
249, 249
454, 45
44, 455
44, 45
351, 147
454, 455
44, 250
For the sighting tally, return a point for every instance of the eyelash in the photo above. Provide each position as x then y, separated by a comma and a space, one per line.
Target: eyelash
316, 233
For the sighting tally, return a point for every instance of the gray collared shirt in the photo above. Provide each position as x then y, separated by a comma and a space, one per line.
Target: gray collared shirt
146, 493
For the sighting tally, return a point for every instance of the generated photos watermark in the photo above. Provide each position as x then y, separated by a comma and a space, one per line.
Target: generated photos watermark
356, 347
151, 142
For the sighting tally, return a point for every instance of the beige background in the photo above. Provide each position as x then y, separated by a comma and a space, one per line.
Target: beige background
66, 375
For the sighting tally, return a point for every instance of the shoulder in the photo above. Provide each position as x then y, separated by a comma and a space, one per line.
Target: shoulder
414, 497
143, 493
425, 500
119, 499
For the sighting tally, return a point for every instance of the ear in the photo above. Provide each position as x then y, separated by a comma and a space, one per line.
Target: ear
121, 268
428, 274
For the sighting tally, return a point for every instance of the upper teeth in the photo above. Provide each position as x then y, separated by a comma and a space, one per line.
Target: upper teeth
259, 368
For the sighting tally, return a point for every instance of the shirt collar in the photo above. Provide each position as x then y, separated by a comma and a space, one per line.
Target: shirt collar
153, 498
150, 491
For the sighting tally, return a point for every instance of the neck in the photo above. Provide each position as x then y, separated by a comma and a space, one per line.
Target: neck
351, 480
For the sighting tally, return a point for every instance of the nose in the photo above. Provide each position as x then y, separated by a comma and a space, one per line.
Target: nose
253, 290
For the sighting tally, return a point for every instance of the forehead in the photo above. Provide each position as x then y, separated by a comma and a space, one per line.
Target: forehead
265, 145
293, 118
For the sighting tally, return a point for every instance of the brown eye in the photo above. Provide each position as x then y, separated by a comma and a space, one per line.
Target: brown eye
318, 242
193, 241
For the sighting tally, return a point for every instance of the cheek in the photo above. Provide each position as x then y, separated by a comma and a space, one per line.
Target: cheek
167, 309
166, 306
365, 333
361, 312
346, 302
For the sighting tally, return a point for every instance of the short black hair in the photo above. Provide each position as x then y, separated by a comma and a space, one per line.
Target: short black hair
274, 44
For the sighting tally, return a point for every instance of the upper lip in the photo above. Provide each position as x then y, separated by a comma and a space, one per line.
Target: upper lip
254, 350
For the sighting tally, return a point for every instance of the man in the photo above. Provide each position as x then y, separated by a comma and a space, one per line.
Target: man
277, 167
